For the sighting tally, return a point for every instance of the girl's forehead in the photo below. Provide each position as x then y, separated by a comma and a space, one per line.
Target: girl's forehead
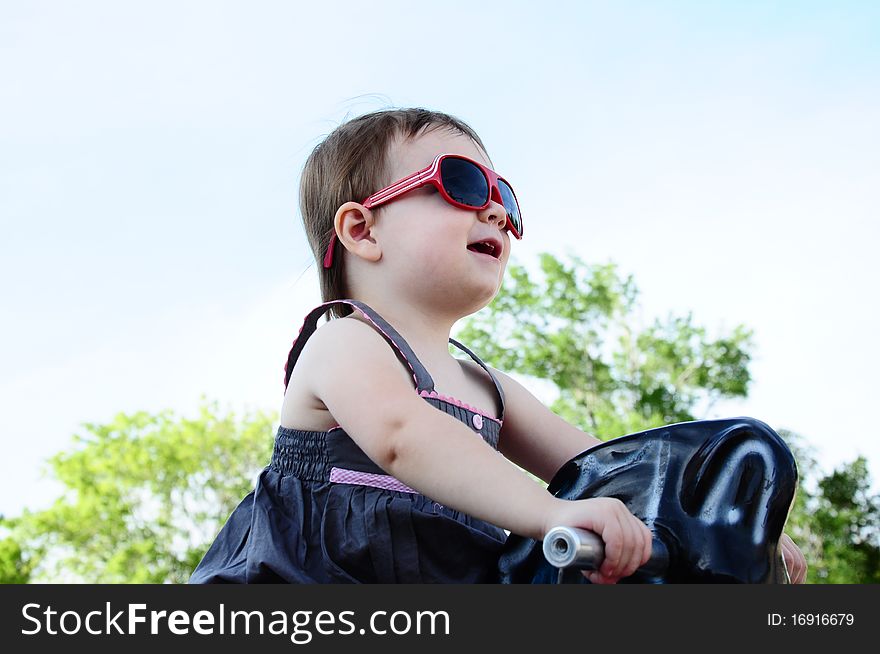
409, 155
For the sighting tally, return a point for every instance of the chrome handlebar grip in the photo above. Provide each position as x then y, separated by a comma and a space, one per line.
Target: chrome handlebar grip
572, 547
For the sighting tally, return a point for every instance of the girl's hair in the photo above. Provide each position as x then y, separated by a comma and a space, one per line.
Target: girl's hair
350, 165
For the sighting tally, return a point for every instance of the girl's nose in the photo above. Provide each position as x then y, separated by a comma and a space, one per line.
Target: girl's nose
495, 211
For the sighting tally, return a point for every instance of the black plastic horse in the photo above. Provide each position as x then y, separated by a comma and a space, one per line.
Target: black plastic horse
715, 494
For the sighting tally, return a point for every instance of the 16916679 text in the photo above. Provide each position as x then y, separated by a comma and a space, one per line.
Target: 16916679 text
810, 620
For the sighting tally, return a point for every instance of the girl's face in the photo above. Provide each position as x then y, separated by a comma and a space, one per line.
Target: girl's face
425, 239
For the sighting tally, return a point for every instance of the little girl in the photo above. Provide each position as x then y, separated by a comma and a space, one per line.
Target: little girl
392, 462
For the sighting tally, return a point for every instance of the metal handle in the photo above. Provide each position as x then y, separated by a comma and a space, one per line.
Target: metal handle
573, 547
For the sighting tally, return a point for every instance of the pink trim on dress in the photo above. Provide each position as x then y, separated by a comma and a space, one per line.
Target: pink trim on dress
457, 403
387, 482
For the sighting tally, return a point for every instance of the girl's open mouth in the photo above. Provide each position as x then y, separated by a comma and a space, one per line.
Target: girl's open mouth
490, 247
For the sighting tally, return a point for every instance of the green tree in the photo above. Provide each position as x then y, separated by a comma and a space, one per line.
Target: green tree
14, 567
145, 496
835, 519
576, 327
847, 516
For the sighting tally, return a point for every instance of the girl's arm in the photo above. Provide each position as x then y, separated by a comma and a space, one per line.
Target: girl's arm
353, 371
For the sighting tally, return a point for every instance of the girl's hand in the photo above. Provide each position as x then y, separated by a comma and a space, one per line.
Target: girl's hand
794, 560
627, 539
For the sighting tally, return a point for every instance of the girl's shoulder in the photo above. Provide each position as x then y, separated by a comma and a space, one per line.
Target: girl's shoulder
335, 344
348, 334
338, 349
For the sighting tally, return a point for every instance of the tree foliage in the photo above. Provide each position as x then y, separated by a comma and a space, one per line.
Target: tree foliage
576, 327
145, 496
847, 516
14, 566
835, 519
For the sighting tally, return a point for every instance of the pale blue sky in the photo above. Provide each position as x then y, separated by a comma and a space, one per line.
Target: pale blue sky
725, 154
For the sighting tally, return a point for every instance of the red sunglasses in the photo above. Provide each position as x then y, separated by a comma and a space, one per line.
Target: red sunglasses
463, 183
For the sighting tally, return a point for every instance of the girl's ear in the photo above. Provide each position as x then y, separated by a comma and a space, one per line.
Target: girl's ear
354, 228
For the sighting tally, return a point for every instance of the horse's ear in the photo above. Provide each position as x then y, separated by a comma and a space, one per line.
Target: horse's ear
739, 476
738, 488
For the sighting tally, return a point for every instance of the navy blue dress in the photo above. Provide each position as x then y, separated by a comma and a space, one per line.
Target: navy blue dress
323, 512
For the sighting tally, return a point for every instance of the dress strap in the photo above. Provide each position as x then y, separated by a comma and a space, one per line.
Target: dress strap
422, 379
486, 368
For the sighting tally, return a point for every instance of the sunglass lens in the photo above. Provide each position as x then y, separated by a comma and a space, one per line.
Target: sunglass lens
510, 205
464, 182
